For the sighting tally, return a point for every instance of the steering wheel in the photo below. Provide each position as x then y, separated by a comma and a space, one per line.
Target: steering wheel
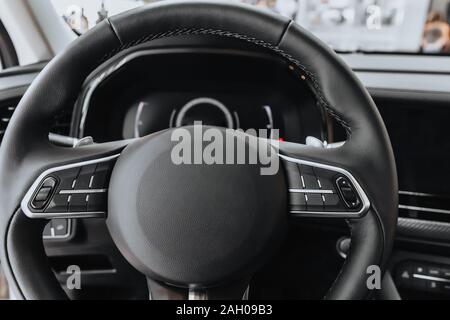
195, 231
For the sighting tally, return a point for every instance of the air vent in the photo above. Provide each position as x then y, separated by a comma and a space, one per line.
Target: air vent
424, 206
60, 125
6, 111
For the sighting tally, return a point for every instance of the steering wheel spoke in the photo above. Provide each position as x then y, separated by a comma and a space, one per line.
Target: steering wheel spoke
318, 188
237, 290
75, 188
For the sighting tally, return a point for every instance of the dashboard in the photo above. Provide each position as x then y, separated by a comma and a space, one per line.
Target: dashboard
242, 89
153, 88
232, 89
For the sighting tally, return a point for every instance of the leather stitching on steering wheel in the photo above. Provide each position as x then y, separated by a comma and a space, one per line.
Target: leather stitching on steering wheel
201, 31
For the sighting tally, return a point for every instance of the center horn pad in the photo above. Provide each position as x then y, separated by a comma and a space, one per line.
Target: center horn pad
194, 224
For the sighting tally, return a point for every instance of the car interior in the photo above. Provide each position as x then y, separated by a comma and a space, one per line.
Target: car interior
358, 92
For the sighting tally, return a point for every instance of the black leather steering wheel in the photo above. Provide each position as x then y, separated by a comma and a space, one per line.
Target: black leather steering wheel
150, 231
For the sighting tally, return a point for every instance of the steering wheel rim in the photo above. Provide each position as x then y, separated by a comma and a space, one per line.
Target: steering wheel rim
26, 152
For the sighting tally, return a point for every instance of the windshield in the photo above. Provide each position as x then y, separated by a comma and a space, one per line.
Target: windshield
386, 26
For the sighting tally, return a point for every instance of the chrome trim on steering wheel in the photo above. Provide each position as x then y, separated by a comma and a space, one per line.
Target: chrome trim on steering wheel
329, 214
26, 202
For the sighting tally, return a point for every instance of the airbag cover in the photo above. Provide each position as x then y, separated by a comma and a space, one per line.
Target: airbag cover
193, 225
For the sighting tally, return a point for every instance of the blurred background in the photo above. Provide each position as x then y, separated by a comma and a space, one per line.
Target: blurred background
405, 26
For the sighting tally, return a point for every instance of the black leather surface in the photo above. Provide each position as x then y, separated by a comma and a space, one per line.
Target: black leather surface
138, 24
367, 154
28, 256
25, 149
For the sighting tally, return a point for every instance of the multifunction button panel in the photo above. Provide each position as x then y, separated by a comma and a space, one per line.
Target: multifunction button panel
319, 190
78, 190
423, 276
